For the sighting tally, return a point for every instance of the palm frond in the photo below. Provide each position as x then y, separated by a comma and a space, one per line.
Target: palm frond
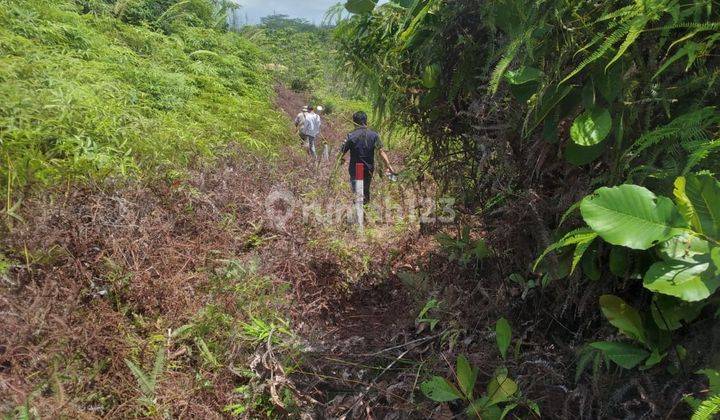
708, 409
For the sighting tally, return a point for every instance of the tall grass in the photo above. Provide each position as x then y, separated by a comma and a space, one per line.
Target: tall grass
87, 96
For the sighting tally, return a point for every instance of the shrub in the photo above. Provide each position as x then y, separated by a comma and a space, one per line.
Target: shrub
300, 85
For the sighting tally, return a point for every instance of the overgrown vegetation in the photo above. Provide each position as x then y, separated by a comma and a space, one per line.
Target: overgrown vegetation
304, 58
129, 88
531, 106
142, 272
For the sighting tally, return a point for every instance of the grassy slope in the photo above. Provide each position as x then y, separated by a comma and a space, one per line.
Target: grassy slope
86, 96
188, 269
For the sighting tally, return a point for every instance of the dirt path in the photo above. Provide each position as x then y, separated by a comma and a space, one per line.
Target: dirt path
366, 308
110, 272
357, 312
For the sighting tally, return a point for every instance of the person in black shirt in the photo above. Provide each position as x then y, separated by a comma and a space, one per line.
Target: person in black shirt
362, 143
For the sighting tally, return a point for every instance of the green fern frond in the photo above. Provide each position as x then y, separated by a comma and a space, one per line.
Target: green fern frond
699, 27
611, 40
708, 409
159, 365
636, 28
147, 386
622, 12
580, 237
699, 152
687, 127
172, 9
597, 38
507, 58
148, 382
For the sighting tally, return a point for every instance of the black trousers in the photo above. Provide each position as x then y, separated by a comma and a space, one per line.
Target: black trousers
366, 185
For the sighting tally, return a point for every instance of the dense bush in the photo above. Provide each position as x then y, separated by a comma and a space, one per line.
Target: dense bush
300, 85
532, 106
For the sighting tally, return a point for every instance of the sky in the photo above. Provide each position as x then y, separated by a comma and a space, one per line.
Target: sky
313, 10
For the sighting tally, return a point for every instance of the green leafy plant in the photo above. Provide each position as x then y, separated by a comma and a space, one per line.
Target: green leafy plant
503, 334
464, 249
501, 395
591, 127
633, 217
708, 409
526, 284
360, 6
24, 412
148, 381
684, 235
500, 398
125, 100
259, 331
424, 317
207, 355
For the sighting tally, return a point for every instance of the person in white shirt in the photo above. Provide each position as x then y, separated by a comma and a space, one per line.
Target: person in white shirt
300, 124
311, 129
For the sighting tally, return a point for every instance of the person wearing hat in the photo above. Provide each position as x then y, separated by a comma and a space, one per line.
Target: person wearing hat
300, 124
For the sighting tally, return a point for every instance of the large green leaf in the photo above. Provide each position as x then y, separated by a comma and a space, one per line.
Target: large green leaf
625, 355
631, 216
686, 280
685, 247
360, 7
582, 155
501, 388
483, 409
440, 389
467, 376
703, 193
523, 75
684, 204
715, 256
623, 316
430, 76
503, 333
669, 313
591, 127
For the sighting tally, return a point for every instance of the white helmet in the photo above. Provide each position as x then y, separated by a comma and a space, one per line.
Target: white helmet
319, 108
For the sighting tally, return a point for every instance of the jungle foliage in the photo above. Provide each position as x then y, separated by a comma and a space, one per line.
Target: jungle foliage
304, 57
609, 105
91, 89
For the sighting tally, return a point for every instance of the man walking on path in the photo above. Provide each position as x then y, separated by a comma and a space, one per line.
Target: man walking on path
300, 123
362, 143
311, 129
